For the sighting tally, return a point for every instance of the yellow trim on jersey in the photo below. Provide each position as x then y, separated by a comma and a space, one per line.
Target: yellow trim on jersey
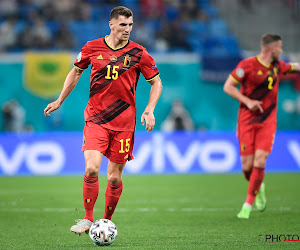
78, 67
267, 66
291, 69
115, 48
237, 81
152, 77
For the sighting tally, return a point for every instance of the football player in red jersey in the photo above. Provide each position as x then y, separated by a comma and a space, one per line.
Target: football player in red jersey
110, 115
259, 78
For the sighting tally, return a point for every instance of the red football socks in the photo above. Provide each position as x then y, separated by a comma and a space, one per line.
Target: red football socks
90, 194
112, 196
255, 181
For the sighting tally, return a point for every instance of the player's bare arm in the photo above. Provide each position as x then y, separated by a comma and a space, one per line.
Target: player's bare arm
296, 67
230, 88
155, 92
69, 84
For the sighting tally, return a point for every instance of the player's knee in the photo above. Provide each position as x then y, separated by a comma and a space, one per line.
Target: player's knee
92, 170
113, 178
247, 166
260, 159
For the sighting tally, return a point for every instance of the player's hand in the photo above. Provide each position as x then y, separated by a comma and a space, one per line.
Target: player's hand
255, 105
51, 107
150, 120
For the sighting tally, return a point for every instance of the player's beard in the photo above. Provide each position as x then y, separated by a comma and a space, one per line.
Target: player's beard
274, 57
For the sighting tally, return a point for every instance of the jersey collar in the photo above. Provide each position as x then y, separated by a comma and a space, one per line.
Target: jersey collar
266, 66
114, 49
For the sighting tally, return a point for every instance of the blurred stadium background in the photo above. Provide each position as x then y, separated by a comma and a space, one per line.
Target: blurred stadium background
196, 43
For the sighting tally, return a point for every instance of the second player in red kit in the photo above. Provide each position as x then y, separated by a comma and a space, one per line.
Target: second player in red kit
259, 80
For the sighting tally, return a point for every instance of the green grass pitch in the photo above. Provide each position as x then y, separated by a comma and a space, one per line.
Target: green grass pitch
154, 212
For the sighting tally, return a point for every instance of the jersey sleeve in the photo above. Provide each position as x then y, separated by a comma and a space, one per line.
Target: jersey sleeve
239, 73
148, 66
83, 58
285, 67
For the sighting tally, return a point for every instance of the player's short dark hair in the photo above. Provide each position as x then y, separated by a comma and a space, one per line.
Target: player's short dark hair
120, 11
266, 39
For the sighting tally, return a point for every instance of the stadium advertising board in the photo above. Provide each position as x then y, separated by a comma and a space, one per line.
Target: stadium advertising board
155, 153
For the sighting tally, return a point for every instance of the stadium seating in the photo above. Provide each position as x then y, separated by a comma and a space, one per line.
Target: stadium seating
209, 36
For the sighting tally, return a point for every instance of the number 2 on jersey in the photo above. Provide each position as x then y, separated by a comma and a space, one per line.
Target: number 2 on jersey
270, 80
112, 75
127, 146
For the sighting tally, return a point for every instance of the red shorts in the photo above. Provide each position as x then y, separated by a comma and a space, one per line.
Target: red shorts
256, 136
117, 146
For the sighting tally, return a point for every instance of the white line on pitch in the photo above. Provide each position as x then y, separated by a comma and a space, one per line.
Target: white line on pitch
125, 210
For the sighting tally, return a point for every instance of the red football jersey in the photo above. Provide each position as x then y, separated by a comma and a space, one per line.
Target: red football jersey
259, 82
114, 77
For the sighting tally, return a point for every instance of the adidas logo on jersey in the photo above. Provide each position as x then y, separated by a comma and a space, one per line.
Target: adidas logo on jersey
100, 57
259, 73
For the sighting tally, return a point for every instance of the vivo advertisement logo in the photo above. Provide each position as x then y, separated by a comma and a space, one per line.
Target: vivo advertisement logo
42, 157
183, 153
154, 153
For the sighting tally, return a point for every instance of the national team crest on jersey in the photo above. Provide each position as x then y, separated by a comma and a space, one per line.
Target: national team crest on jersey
127, 60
